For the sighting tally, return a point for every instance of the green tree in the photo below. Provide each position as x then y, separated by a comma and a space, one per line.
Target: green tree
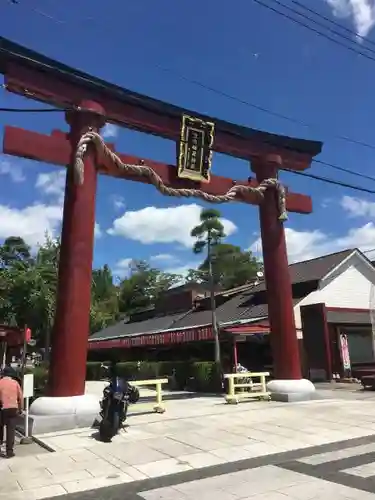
196, 276
5, 303
14, 249
102, 284
30, 283
209, 234
231, 266
142, 288
28, 289
104, 299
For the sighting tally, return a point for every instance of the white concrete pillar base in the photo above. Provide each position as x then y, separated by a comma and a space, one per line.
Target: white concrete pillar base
291, 390
49, 414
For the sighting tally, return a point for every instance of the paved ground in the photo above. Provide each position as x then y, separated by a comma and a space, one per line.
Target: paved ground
28, 450
342, 471
200, 446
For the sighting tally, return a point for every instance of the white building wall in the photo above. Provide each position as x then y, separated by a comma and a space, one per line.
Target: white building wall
352, 285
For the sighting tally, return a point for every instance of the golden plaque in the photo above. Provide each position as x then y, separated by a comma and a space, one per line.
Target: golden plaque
195, 149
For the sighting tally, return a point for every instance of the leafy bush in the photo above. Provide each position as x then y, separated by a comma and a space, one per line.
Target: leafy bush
94, 370
178, 373
200, 376
205, 377
40, 379
128, 370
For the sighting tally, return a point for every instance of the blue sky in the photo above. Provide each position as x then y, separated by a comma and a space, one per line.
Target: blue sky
242, 49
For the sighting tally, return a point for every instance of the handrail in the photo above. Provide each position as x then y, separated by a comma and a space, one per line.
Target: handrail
159, 407
245, 381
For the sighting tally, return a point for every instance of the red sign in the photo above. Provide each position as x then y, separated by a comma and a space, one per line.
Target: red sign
27, 335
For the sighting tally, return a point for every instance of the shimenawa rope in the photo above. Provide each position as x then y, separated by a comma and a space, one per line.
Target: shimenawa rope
155, 179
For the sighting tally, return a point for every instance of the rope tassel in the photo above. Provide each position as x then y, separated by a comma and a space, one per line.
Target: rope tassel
156, 180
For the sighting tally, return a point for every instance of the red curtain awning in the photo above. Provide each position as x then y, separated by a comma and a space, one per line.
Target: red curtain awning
155, 339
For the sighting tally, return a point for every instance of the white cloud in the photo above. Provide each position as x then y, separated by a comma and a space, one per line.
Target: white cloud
12, 169
327, 202
52, 184
122, 268
118, 202
109, 131
181, 269
163, 258
301, 245
98, 231
356, 207
33, 222
30, 223
304, 245
162, 225
173, 265
361, 13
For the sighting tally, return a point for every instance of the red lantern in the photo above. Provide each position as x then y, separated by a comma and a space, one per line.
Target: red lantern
27, 335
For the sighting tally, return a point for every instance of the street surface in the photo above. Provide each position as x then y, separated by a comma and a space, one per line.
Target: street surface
204, 448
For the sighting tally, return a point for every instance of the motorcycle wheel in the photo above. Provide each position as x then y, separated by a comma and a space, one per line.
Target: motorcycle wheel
105, 431
116, 424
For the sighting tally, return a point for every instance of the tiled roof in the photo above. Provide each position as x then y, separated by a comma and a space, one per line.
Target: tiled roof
149, 325
312, 269
240, 307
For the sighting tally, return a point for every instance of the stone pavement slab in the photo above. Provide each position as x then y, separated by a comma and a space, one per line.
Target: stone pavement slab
281, 476
201, 439
27, 450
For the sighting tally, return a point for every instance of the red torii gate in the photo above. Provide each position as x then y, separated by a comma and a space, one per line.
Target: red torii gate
91, 103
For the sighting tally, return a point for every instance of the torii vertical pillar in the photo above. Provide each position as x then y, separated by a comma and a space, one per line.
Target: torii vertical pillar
67, 374
71, 328
288, 384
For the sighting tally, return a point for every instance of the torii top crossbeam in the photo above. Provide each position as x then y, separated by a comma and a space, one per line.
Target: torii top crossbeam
38, 77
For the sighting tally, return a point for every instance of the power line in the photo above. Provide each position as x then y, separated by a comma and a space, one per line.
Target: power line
263, 109
242, 101
331, 181
32, 110
37, 11
332, 21
319, 23
324, 26
258, 107
343, 169
311, 28
46, 15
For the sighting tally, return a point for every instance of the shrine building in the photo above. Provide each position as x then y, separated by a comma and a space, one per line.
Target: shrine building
332, 301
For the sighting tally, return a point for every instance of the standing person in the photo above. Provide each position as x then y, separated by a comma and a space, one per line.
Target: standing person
11, 404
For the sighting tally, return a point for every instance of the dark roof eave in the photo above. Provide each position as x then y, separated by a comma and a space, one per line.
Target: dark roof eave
11, 51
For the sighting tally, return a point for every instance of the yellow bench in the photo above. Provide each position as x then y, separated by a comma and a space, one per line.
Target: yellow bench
159, 407
245, 381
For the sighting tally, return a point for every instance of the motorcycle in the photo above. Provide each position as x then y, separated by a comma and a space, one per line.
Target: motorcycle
117, 397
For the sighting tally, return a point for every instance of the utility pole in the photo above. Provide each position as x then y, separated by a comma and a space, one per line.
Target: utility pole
215, 328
